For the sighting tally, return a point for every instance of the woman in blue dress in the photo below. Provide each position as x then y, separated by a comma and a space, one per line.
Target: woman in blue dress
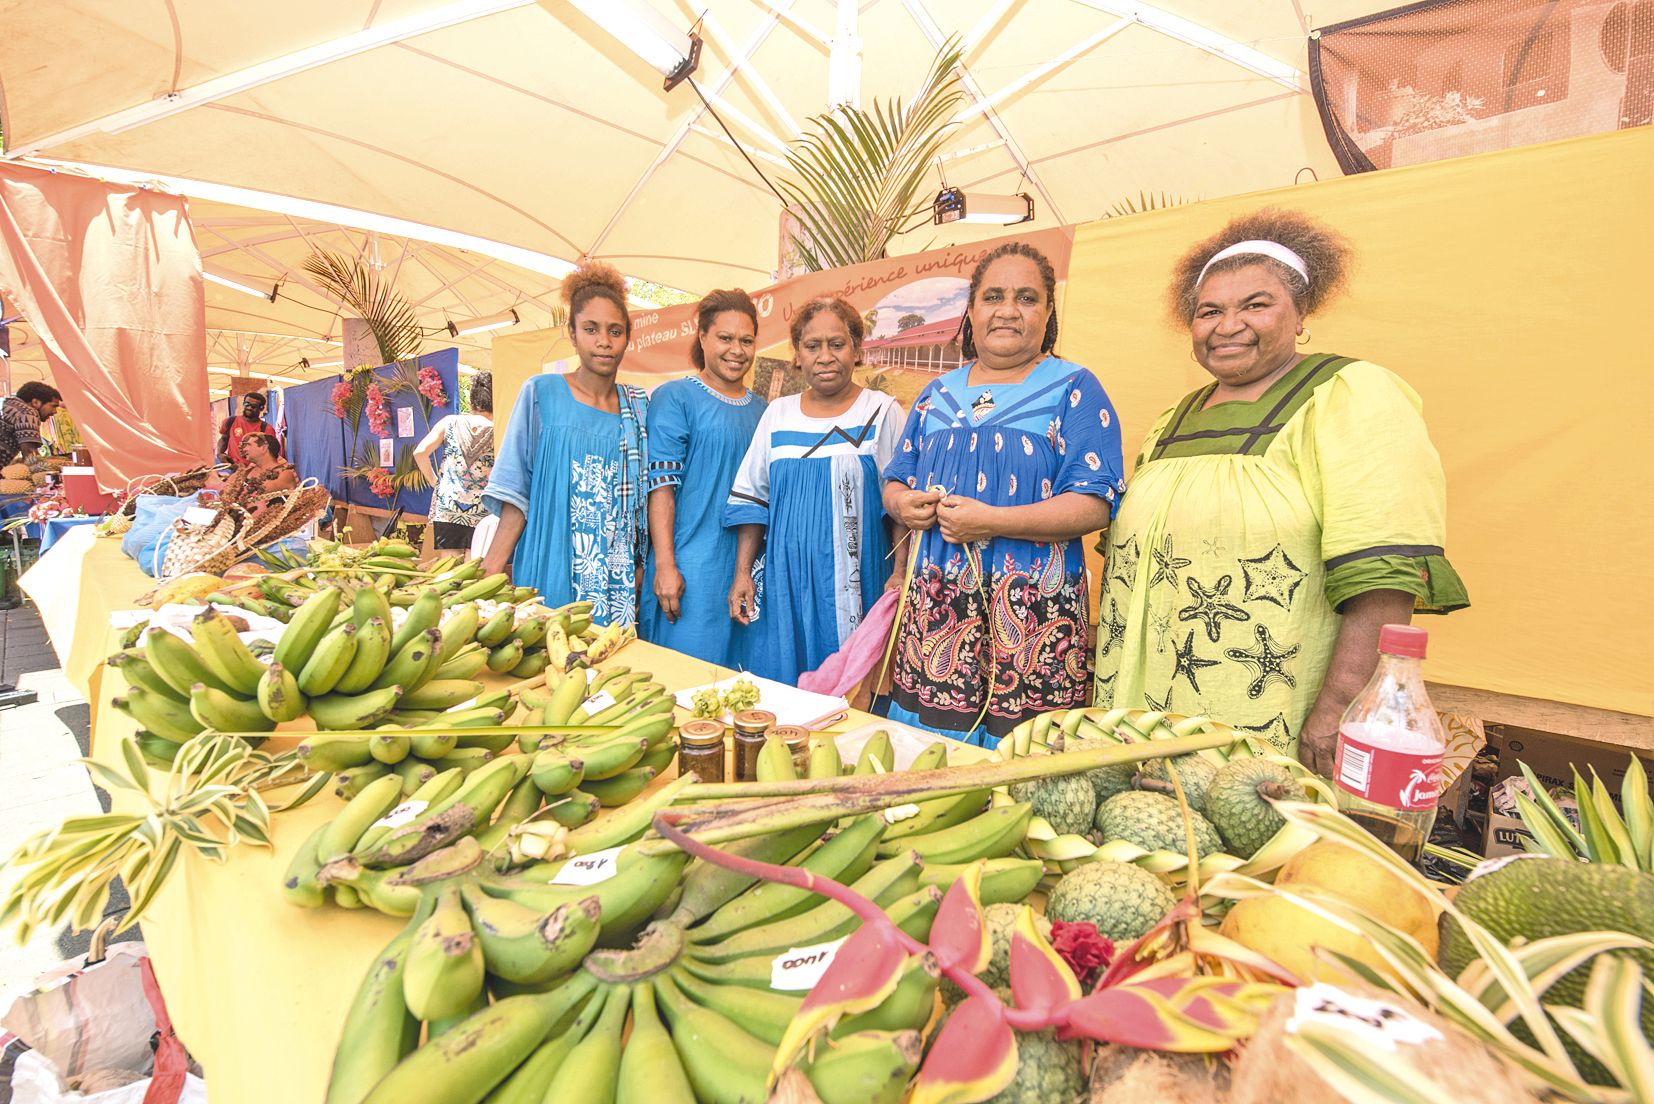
808, 494
1005, 463
699, 429
568, 481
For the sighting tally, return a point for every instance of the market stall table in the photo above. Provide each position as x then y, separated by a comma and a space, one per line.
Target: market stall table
257, 988
52, 530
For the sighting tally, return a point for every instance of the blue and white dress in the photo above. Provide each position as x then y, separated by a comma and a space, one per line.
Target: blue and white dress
697, 438
816, 484
994, 631
576, 473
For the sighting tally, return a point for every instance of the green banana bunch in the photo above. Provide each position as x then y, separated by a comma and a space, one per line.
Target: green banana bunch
378, 1033
444, 973
528, 947
592, 1070
529, 1082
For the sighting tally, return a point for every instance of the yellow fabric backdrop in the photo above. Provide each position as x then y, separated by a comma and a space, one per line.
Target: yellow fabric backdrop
1512, 291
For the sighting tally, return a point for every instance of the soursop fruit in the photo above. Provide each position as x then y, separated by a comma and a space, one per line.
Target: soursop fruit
1195, 772
1066, 802
1124, 901
1154, 822
1238, 802
1106, 781
1049, 1071
1531, 897
1000, 920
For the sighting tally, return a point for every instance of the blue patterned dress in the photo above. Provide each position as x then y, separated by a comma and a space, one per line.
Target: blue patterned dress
697, 439
575, 473
1005, 445
814, 482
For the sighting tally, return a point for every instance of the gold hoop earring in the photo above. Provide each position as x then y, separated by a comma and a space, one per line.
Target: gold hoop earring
1304, 338
1193, 357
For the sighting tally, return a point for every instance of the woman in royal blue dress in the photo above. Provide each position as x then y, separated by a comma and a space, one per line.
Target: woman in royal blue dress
1005, 463
808, 494
568, 481
699, 430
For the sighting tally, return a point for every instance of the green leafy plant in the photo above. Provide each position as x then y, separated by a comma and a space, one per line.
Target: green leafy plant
1604, 835
208, 801
389, 317
1146, 201
857, 174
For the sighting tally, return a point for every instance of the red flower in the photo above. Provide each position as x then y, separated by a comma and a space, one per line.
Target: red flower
430, 386
379, 418
380, 483
1087, 953
339, 397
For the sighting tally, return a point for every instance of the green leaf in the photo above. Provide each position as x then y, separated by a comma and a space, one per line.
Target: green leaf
1624, 853
1558, 819
135, 763
1613, 998
1639, 814
1350, 1068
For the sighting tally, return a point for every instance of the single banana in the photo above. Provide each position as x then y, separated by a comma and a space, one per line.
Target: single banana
466, 663
326, 751
482, 588
824, 759
555, 771
369, 602
165, 717
572, 810
445, 966
708, 887
137, 671
608, 760
845, 858
389, 748
347, 712
157, 750
1007, 880
356, 779
465, 1062
417, 773
762, 1014
367, 662
224, 712
915, 912
178, 663
908, 1007
724, 1064
621, 788
329, 661
935, 814
469, 759
532, 631
279, 696
659, 757
493, 632
565, 699
990, 835
529, 1082
593, 1066
224, 653
425, 613
775, 761
559, 655
440, 694
299, 884
378, 1031
868, 1067
505, 657
415, 664
459, 630
878, 750
521, 803
432, 745
650, 1072
349, 824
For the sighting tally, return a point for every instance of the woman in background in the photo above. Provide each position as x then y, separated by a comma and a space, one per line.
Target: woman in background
467, 441
568, 482
807, 494
699, 429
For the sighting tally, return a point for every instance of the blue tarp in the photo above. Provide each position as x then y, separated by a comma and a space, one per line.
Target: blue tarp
320, 444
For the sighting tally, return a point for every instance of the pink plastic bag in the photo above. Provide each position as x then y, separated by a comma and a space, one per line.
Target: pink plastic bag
844, 670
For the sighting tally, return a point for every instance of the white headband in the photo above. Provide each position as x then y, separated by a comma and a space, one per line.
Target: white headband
1275, 251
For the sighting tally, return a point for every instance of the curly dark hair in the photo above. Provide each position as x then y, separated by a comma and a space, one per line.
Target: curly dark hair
36, 391
482, 393
1326, 254
1048, 276
709, 308
593, 280
847, 314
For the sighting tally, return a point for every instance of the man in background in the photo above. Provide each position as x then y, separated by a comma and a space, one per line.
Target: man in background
232, 429
20, 418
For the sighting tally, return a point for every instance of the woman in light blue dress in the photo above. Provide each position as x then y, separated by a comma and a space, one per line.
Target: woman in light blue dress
699, 429
568, 483
808, 493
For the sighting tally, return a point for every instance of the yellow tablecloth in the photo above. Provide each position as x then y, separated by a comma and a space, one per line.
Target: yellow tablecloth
257, 988
76, 585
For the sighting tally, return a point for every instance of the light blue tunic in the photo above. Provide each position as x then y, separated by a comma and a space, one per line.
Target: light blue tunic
697, 438
561, 464
815, 482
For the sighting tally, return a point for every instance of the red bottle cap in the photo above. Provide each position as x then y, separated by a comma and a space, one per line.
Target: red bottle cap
1402, 640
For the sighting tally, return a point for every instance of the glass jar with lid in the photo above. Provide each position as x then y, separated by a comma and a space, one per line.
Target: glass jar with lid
701, 749
751, 726
798, 745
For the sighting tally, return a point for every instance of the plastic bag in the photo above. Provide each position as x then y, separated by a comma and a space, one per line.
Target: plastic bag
152, 515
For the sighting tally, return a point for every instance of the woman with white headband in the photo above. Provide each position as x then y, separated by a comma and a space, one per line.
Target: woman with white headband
1279, 515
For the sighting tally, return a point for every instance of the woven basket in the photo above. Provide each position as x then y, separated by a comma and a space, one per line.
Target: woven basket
203, 547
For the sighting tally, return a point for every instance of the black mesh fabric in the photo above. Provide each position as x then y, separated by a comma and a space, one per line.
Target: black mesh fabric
1448, 78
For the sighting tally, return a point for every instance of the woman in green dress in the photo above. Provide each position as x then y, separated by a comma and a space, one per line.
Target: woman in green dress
1279, 515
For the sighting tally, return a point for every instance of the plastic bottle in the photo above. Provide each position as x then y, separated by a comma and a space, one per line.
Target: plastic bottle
1390, 747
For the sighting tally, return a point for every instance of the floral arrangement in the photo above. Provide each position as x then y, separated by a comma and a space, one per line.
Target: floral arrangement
430, 387
48, 507
381, 483
379, 415
340, 399
385, 482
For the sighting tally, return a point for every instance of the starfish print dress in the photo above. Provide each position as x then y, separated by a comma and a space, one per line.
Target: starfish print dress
995, 631
1249, 524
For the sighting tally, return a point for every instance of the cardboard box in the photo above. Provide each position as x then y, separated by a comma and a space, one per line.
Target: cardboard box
1553, 760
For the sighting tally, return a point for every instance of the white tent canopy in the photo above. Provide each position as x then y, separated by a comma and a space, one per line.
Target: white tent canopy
525, 131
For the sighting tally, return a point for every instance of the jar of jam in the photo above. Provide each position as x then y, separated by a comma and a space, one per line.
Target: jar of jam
701, 749
798, 745
751, 726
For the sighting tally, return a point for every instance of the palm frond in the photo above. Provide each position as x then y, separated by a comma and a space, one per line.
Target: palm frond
1146, 201
856, 174
390, 317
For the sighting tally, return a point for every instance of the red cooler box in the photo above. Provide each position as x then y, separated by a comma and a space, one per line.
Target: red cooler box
81, 490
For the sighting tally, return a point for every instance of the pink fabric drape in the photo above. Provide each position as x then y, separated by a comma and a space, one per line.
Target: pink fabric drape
110, 278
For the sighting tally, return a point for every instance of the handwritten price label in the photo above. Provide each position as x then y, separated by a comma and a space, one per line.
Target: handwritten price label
585, 870
1383, 1025
797, 969
402, 814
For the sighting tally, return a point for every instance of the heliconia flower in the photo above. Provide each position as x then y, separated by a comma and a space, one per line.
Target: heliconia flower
1199, 1015
1086, 952
862, 974
958, 935
1040, 980
973, 1057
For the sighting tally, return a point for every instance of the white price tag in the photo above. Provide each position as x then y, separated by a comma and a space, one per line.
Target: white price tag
402, 814
598, 702
200, 515
797, 969
585, 870
1383, 1025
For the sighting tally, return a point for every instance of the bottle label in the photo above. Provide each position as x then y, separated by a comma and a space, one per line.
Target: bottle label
1407, 780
